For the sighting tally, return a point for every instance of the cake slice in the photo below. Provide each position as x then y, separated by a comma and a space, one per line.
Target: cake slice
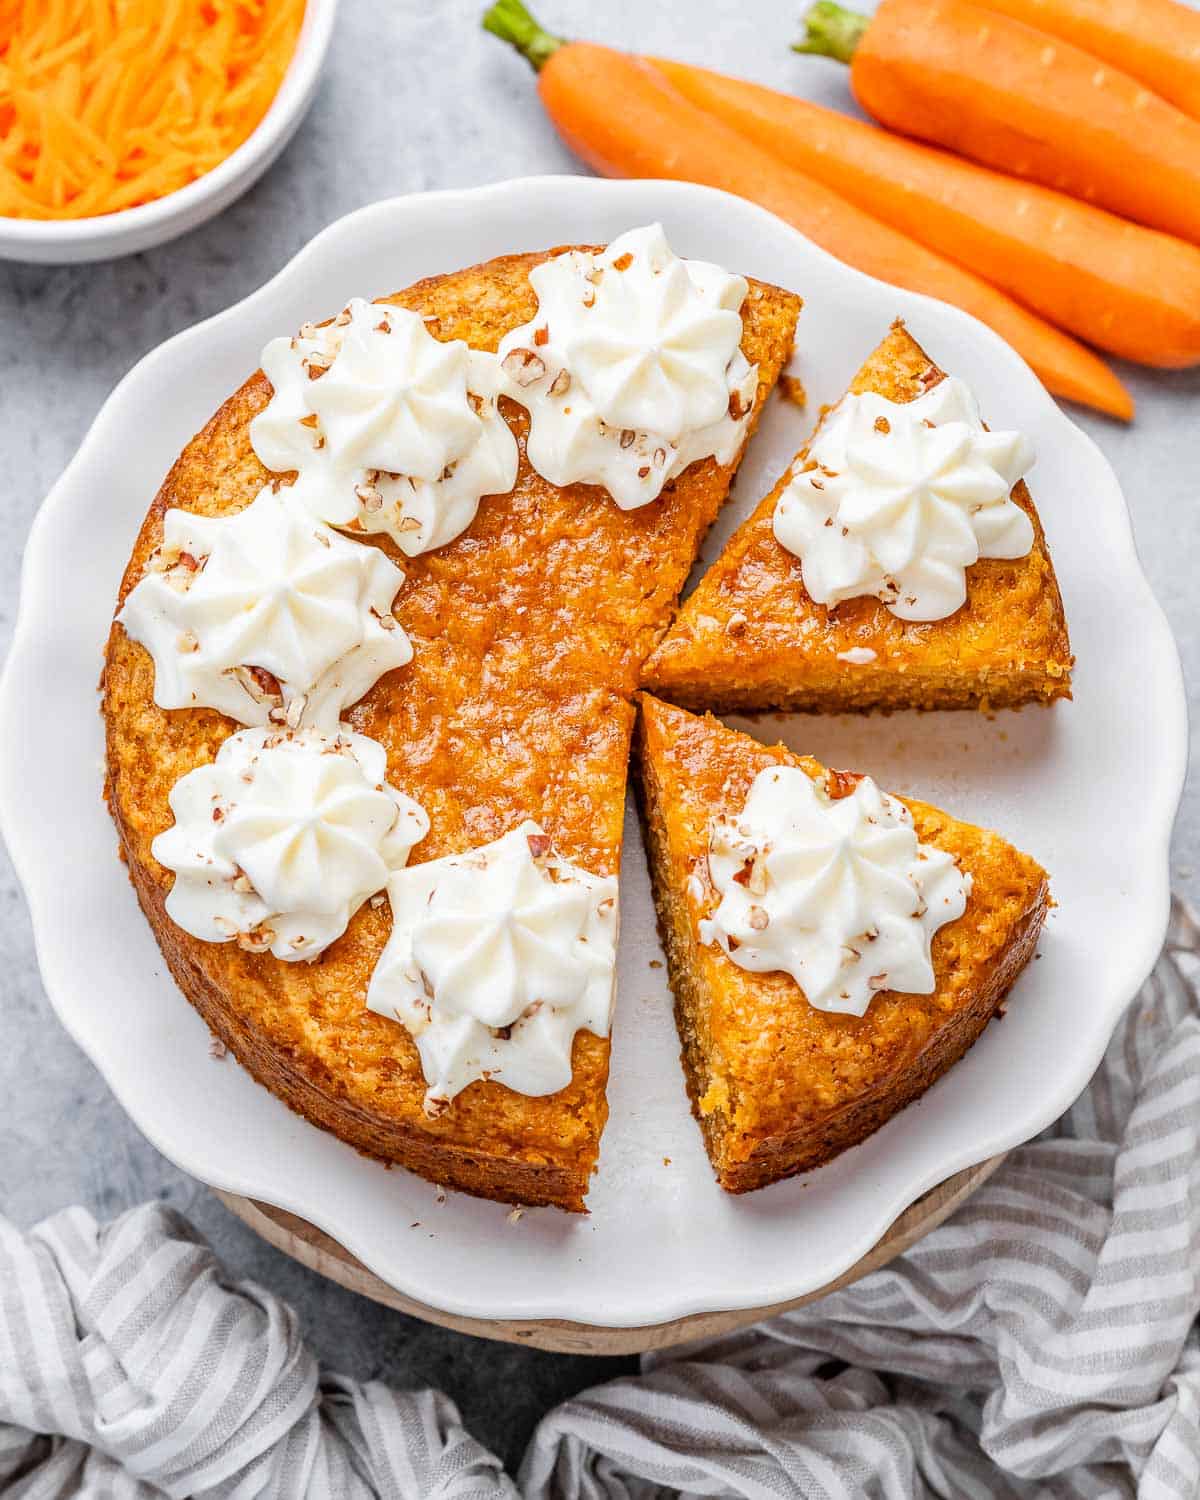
529, 618
752, 637
778, 1085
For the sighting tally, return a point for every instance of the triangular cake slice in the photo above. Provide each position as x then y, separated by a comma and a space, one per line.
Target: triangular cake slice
751, 637
779, 1086
528, 632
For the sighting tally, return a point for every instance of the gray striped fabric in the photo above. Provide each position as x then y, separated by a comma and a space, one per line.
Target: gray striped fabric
131, 1367
1041, 1343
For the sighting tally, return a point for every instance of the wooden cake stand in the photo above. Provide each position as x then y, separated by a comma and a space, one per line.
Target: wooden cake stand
316, 1250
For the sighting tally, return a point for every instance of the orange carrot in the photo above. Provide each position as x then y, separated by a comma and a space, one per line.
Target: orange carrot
621, 115
1014, 98
1157, 41
1131, 290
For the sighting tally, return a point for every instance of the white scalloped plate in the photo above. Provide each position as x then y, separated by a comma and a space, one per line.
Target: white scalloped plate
1089, 787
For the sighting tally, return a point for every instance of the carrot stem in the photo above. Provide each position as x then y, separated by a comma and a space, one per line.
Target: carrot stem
512, 23
830, 30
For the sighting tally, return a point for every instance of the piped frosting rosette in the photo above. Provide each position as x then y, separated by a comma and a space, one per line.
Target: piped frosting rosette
388, 429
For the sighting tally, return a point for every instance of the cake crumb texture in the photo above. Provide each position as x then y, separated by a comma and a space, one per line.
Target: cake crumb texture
778, 1087
749, 637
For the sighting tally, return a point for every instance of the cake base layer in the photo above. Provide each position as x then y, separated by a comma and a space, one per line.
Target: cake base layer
779, 1087
751, 638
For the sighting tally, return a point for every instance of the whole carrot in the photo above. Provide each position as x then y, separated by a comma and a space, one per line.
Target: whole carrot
621, 115
1157, 41
1014, 98
1131, 290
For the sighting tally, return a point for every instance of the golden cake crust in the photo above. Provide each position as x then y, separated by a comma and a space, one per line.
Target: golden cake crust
528, 632
750, 637
778, 1087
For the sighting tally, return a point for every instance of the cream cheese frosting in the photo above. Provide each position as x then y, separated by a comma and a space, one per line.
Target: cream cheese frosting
280, 839
897, 499
834, 890
266, 615
631, 368
387, 428
497, 957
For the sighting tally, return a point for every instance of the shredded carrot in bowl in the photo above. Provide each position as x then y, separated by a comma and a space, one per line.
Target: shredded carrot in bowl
105, 104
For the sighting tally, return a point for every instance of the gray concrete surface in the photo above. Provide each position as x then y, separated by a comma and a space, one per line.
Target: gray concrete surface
414, 97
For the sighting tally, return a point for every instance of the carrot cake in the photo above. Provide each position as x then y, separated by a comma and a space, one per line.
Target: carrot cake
832, 949
368, 695
899, 563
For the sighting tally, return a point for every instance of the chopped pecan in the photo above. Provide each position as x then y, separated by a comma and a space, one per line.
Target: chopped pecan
523, 366
839, 784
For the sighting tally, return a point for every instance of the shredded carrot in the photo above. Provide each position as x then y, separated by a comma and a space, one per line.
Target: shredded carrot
105, 104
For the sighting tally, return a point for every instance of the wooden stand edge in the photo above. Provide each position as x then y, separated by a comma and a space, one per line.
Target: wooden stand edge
319, 1252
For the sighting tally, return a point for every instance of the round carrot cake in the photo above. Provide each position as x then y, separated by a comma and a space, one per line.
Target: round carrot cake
369, 689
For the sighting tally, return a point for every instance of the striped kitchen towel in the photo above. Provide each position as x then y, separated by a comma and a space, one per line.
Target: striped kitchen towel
1040, 1343
131, 1367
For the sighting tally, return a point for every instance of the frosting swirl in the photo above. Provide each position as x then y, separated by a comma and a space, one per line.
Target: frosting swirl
897, 500
265, 615
632, 367
831, 887
279, 841
388, 429
497, 958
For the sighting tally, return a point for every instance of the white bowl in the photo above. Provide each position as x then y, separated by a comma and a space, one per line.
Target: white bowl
62, 241
1089, 788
